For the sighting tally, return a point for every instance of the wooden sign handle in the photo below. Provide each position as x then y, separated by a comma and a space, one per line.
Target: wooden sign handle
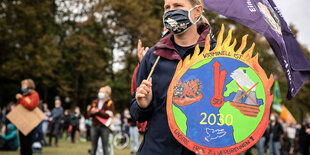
158, 57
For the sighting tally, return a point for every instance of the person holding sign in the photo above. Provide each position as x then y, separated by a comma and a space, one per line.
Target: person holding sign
101, 111
30, 100
187, 28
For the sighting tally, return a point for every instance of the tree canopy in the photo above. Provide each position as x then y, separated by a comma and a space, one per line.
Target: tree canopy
70, 48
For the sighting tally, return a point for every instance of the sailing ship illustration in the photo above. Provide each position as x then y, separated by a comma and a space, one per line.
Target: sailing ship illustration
250, 107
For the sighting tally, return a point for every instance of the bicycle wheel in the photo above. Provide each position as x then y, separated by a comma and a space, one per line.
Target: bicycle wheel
121, 141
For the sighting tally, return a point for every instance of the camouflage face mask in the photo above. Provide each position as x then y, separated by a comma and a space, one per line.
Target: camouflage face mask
178, 21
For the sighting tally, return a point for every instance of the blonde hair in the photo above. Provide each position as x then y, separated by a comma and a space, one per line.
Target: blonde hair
107, 89
203, 18
30, 83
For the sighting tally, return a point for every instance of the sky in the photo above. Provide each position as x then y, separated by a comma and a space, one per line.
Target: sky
297, 12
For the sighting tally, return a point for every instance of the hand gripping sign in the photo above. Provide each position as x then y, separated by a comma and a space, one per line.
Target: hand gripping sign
219, 100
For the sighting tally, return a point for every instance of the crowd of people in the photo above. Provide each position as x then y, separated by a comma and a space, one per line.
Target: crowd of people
98, 126
280, 137
185, 27
284, 137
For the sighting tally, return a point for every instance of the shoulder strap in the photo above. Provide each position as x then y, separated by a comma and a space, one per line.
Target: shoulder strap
109, 103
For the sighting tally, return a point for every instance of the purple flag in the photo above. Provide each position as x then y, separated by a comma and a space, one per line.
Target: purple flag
265, 18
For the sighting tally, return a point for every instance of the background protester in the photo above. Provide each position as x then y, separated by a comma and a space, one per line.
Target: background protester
66, 124
134, 134
75, 123
287, 146
82, 128
88, 124
261, 144
55, 119
305, 137
8, 109
100, 111
9, 142
125, 120
30, 100
275, 133
117, 123
38, 135
47, 114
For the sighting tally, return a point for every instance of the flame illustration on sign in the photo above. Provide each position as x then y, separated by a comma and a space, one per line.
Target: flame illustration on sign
187, 93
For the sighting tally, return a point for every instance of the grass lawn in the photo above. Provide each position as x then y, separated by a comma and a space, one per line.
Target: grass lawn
67, 148
81, 148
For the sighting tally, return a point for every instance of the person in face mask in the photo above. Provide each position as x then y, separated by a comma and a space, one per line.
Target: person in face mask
187, 28
101, 112
30, 100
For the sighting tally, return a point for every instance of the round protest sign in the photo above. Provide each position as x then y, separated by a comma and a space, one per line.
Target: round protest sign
219, 101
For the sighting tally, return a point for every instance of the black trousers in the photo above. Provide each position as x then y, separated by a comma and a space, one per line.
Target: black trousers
25, 143
54, 132
73, 130
103, 132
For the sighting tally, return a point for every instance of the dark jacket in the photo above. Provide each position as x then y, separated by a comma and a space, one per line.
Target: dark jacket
277, 131
107, 106
67, 121
57, 114
304, 136
75, 120
158, 137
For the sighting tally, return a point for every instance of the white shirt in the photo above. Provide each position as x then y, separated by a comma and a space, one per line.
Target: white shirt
100, 104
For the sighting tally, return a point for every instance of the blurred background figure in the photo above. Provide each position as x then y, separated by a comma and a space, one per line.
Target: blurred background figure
7, 110
101, 112
275, 132
47, 114
55, 122
260, 145
305, 137
75, 123
88, 124
117, 123
288, 139
66, 124
134, 134
9, 141
82, 128
38, 138
125, 120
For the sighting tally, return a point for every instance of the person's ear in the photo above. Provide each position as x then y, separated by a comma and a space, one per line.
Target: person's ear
199, 11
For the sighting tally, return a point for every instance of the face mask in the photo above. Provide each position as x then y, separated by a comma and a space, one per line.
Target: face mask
25, 90
178, 21
272, 118
101, 95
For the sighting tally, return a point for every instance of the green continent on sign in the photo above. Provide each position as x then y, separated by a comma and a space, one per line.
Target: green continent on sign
179, 118
244, 126
201, 63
